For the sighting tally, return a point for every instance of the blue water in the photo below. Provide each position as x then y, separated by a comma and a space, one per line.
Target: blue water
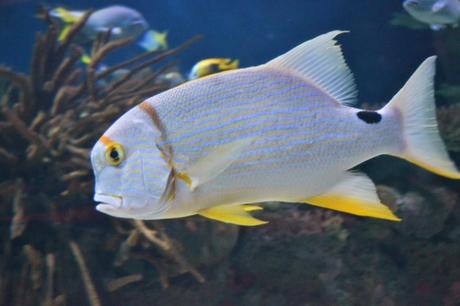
255, 32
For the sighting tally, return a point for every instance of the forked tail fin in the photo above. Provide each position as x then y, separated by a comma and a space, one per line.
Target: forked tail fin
415, 104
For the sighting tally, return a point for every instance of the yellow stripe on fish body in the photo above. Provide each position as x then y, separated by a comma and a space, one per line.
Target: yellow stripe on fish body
283, 131
65, 15
69, 18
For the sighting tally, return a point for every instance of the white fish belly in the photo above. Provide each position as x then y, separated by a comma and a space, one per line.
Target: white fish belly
301, 139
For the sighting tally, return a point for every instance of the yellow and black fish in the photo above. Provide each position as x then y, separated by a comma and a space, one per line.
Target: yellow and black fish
212, 65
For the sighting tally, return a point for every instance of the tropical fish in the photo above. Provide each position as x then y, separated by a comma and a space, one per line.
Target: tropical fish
212, 65
437, 13
153, 40
121, 21
282, 131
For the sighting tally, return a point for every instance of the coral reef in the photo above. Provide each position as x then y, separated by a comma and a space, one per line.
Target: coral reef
48, 122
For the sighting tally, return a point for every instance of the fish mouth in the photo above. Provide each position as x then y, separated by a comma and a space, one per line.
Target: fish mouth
113, 205
108, 202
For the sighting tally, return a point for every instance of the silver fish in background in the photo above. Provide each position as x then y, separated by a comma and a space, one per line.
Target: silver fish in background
121, 21
436, 13
281, 131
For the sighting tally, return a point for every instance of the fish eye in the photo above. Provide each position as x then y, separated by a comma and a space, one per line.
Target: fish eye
114, 154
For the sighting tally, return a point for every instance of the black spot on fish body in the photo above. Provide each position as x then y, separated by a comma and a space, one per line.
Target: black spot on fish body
369, 117
214, 68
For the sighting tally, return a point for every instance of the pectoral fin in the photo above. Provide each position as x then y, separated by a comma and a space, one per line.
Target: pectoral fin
354, 194
234, 214
213, 163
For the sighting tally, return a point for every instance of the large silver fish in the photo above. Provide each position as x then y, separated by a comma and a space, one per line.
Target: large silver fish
281, 131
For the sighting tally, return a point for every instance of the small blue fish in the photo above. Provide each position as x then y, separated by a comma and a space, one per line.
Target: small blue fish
437, 13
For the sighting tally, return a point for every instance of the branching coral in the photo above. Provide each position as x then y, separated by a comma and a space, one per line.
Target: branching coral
48, 122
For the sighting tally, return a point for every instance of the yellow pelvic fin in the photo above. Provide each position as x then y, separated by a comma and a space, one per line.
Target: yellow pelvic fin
234, 214
353, 206
249, 207
353, 193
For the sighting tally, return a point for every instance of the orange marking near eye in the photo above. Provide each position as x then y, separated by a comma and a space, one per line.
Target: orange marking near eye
106, 140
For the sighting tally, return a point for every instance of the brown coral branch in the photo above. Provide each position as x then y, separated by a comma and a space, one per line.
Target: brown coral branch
97, 57
36, 264
135, 70
145, 55
72, 33
23, 83
37, 69
83, 153
37, 121
115, 284
64, 69
10, 158
75, 174
165, 243
91, 292
101, 39
137, 88
65, 94
22, 128
51, 266
18, 223
162, 273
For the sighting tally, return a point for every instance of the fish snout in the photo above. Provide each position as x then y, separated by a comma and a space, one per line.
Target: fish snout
109, 204
129, 207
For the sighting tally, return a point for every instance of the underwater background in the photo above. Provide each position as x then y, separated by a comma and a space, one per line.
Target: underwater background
56, 249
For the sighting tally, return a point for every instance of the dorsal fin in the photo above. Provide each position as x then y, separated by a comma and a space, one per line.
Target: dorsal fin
320, 61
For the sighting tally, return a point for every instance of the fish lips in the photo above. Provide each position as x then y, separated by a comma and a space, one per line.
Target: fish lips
113, 205
109, 204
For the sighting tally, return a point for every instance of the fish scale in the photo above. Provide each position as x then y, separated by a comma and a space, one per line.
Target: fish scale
312, 154
282, 131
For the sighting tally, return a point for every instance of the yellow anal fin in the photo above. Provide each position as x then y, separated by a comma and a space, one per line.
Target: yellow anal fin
234, 214
353, 206
251, 207
354, 193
